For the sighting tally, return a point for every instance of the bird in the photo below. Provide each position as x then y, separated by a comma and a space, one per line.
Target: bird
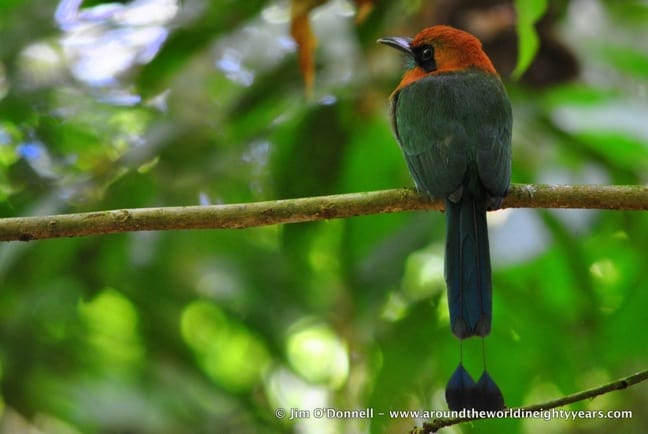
452, 117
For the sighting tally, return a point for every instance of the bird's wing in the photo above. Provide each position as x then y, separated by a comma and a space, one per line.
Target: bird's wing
433, 141
449, 125
493, 152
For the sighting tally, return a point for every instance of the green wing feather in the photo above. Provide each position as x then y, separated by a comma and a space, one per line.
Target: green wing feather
448, 124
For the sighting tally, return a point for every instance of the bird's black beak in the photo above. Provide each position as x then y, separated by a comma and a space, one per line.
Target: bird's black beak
398, 42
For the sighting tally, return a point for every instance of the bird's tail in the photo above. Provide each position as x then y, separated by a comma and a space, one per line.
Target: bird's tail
467, 267
463, 393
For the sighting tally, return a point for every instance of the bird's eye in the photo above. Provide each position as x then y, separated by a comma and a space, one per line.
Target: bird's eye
427, 53
424, 56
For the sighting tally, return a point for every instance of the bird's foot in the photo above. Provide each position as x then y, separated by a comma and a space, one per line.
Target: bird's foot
494, 203
456, 195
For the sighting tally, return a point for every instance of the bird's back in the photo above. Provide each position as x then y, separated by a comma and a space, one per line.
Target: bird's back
453, 124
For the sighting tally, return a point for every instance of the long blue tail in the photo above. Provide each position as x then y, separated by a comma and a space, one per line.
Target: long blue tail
467, 267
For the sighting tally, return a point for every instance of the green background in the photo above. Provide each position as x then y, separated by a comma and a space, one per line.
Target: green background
210, 331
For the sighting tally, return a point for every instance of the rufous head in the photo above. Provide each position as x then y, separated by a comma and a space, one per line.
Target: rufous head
440, 49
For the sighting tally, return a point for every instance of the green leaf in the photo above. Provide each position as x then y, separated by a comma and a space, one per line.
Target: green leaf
626, 59
528, 11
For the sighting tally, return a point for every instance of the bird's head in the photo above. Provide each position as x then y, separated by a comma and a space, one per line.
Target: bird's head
439, 49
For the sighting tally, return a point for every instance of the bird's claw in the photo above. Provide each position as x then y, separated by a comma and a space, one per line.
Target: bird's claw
494, 203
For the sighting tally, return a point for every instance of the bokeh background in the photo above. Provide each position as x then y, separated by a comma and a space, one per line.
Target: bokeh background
154, 103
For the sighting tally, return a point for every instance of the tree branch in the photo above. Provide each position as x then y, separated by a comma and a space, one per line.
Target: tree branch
623, 383
245, 215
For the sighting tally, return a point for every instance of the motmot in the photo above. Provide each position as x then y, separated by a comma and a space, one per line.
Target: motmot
452, 117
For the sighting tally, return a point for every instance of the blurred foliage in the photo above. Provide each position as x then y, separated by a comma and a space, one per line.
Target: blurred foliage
156, 103
528, 13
